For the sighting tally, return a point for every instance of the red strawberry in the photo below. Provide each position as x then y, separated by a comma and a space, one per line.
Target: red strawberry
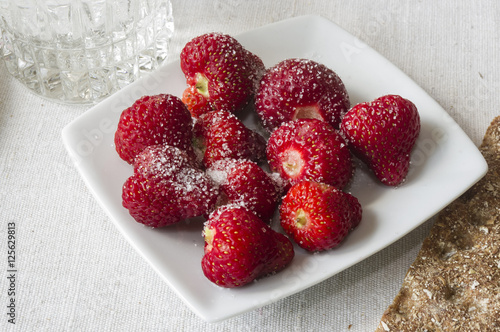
309, 149
195, 101
167, 187
300, 88
220, 73
382, 133
220, 135
317, 216
244, 183
239, 247
153, 120
356, 210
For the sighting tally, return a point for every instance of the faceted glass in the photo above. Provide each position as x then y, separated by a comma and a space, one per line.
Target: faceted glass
80, 51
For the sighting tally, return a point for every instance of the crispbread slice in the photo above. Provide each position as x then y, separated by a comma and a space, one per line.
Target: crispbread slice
454, 283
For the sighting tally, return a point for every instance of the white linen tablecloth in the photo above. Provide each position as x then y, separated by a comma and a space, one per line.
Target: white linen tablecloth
77, 273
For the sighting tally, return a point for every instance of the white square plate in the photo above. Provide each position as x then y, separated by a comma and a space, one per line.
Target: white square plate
445, 163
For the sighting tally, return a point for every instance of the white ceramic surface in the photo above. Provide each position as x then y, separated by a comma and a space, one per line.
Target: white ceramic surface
445, 163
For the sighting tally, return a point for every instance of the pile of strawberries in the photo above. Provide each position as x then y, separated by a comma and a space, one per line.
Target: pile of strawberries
194, 156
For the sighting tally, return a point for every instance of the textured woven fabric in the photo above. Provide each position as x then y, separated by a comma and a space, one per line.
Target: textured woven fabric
77, 273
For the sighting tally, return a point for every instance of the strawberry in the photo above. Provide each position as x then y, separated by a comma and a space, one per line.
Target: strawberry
220, 135
300, 88
243, 182
382, 133
309, 149
220, 74
167, 187
239, 248
356, 210
317, 216
153, 120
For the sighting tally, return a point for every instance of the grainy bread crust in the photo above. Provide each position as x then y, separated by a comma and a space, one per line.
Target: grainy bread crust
454, 283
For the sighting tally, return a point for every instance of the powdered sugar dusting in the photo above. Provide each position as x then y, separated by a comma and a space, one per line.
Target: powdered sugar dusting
218, 175
167, 187
162, 161
245, 183
301, 88
309, 149
231, 72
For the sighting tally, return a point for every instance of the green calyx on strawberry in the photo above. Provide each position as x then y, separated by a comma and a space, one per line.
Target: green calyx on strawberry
382, 134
